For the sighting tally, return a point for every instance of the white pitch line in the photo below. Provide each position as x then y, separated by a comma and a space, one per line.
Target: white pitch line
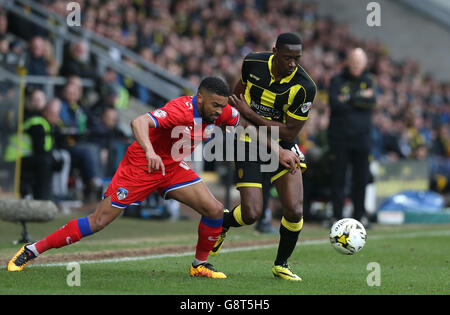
239, 249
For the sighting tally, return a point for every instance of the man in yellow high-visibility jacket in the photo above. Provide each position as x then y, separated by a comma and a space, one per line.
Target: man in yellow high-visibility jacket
36, 153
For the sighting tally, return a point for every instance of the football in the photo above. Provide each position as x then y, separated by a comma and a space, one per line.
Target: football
348, 236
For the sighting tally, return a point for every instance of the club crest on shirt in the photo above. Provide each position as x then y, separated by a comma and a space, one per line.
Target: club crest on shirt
306, 107
122, 193
160, 113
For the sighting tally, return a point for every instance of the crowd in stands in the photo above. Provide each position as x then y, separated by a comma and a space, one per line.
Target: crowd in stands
86, 141
195, 38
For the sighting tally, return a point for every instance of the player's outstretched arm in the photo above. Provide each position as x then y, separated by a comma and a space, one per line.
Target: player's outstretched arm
140, 127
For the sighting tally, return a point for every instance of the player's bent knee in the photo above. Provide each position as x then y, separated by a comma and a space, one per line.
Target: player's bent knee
214, 210
98, 221
104, 214
294, 212
250, 213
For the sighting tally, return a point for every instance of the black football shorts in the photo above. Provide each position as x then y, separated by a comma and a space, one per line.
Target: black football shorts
248, 171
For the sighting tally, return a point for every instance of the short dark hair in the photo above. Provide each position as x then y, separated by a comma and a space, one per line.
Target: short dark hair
288, 39
215, 85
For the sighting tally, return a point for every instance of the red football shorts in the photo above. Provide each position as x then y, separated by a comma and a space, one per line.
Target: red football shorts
131, 185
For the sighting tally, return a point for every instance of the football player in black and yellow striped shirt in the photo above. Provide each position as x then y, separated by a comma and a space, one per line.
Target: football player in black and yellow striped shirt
274, 91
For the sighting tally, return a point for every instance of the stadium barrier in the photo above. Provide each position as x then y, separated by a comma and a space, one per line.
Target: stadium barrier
394, 177
403, 194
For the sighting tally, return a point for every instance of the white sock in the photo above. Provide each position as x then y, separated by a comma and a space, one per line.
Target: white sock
198, 262
32, 247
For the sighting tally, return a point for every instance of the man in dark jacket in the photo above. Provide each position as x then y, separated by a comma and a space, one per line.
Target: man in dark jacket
77, 61
36, 63
351, 99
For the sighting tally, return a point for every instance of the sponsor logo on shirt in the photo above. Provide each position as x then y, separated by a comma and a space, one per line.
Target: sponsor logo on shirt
266, 111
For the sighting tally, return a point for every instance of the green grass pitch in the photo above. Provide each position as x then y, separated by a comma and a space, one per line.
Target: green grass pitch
409, 259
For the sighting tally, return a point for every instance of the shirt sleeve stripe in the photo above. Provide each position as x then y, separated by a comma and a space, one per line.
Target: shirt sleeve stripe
154, 120
297, 116
238, 119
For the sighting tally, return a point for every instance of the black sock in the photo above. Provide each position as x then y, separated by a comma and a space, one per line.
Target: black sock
229, 218
289, 233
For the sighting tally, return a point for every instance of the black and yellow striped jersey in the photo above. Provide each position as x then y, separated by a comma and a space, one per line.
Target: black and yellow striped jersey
292, 95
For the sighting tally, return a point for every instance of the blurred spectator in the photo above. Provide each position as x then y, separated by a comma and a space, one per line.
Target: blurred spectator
3, 23
441, 143
52, 68
72, 114
4, 48
36, 62
4, 28
127, 86
386, 146
11, 53
112, 142
84, 99
111, 92
35, 103
16, 55
77, 61
440, 163
84, 155
60, 179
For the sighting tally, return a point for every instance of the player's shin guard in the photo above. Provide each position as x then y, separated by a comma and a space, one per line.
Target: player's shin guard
70, 233
289, 232
208, 232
